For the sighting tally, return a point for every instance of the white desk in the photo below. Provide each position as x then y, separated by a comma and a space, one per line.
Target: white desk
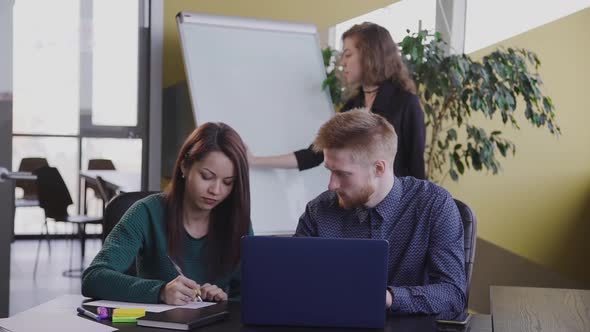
58, 314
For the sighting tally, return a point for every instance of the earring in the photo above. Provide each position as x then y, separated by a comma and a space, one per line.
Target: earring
182, 175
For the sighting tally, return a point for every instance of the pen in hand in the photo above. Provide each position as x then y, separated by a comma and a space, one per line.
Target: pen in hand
177, 268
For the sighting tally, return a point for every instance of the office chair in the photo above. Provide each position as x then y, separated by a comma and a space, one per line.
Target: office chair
470, 237
54, 199
105, 192
95, 165
115, 209
101, 164
29, 187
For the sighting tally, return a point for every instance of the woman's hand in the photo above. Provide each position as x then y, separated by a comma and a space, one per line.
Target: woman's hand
179, 291
212, 293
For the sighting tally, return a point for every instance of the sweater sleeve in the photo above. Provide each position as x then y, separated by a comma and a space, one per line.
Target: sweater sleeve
307, 158
105, 278
415, 135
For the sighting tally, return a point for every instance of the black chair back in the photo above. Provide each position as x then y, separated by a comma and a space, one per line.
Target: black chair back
115, 209
29, 165
470, 238
100, 164
53, 193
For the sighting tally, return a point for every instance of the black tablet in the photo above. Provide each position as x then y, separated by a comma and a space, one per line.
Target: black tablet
454, 319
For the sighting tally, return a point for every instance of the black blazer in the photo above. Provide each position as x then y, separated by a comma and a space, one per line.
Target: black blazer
402, 109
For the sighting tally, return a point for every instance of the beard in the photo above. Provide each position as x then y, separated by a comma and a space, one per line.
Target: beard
357, 200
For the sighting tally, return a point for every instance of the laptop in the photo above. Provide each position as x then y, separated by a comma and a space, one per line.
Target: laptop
304, 281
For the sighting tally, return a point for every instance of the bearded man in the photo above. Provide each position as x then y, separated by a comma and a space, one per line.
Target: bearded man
426, 269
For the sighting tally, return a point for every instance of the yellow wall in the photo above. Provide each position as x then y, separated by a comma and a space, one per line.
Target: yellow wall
322, 13
539, 207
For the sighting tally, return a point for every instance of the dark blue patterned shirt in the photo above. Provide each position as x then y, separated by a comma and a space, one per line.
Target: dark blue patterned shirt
426, 269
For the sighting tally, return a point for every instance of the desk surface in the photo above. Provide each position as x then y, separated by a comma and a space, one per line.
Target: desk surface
66, 305
119, 180
539, 309
479, 323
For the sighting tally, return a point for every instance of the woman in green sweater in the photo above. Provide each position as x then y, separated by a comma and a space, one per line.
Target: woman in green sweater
197, 223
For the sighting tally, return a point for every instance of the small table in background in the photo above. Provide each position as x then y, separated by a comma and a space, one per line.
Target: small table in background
517, 309
120, 181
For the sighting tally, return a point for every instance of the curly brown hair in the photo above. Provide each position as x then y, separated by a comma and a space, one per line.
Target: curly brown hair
380, 57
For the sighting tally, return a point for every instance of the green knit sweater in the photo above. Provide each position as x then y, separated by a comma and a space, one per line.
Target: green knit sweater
141, 236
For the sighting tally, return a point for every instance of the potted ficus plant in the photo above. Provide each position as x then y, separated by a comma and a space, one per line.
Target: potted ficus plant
454, 87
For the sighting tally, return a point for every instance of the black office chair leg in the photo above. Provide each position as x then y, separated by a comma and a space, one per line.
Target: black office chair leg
36, 260
71, 248
47, 235
70, 270
77, 273
82, 236
46, 228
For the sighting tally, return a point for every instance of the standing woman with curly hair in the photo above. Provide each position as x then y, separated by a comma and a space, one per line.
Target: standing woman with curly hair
374, 71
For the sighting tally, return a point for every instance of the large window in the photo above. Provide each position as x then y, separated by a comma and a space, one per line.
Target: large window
114, 62
76, 79
396, 18
46, 74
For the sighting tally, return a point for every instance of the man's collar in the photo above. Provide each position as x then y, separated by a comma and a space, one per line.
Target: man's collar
386, 207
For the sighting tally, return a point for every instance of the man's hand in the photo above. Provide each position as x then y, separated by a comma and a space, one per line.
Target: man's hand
179, 291
388, 299
212, 293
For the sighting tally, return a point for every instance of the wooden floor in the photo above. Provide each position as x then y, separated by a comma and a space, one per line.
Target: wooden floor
27, 291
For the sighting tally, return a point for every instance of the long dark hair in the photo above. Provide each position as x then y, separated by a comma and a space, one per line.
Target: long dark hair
380, 57
230, 220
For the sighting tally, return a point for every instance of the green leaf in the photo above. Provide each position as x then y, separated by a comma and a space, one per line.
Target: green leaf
547, 104
457, 161
454, 175
452, 134
502, 147
475, 158
475, 101
460, 166
326, 55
